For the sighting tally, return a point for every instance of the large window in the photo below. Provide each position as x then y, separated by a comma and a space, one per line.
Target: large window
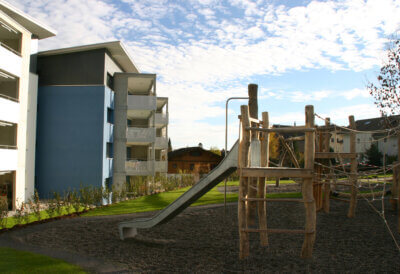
110, 115
110, 81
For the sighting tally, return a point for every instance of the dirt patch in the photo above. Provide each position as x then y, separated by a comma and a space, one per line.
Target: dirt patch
203, 240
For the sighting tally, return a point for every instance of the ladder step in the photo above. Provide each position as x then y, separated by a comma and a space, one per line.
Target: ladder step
277, 172
286, 231
333, 155
275, 200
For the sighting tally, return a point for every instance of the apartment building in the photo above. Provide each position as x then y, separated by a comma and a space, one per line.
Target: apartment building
99, 119
19, 35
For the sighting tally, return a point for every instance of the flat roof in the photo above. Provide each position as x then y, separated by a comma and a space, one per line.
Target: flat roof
115, 48
34, 26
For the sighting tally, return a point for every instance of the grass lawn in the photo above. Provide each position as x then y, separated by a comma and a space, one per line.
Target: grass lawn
12, 221
161, 200
15, 261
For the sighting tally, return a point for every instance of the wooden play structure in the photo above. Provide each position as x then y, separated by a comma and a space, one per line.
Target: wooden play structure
316, 176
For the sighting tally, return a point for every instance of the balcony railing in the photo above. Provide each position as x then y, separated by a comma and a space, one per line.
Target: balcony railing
9, 110
10, 49
140, 102
161, 143
161, 166
161, 119
140, 135
8, 158
10, 61
136, 167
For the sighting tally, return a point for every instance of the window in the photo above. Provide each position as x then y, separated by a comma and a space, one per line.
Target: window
110, 81
192, 167
110, 115
174, 165
108, 183
109, 150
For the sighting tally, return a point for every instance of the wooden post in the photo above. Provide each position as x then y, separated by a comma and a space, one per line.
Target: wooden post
318, 170
393, 199
307, 187
262, 205
353, 170
327, 184
244, 145
252, 186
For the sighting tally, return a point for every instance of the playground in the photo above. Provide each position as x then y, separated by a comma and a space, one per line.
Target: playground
343, 221
201, 239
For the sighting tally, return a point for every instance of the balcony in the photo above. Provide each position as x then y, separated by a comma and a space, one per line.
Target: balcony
161, 166
10, 61
8, 158
161, 143
140, 102
138, 168
9, 110
161, 119
137, 136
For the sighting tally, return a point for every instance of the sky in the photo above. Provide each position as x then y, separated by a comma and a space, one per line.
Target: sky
320, 53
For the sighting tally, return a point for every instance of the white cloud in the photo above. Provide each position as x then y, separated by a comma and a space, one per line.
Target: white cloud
201, 50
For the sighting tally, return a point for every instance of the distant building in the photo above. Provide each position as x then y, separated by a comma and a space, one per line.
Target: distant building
340, 142
19, 35
99, 119
193, 160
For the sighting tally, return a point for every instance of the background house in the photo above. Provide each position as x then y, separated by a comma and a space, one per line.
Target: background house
19, 35
193, 160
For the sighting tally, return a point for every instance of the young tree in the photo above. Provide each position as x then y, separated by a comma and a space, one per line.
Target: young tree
387, 92
374, 156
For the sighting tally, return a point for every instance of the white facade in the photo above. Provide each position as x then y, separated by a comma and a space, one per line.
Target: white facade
18, 101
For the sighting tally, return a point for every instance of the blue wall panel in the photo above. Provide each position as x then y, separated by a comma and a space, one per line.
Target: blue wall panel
71, 129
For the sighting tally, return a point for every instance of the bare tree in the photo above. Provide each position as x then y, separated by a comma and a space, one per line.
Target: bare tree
387, 91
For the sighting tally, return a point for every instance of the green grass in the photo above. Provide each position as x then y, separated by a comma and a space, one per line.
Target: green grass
15, 261
161, 200
12, 221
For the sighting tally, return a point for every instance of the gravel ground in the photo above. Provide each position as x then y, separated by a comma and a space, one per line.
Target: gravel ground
201, 240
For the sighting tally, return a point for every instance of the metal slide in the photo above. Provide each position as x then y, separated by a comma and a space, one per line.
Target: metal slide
228, 165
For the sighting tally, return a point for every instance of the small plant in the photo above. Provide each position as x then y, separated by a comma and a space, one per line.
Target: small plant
19, 213
59, 203
34, 205
68, 201
3, 213
52, 208
76, 201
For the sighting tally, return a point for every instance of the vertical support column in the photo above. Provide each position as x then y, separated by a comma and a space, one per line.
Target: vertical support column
317, 185
244, 145
327, 183
252, 186
353, 170
262, 205
307, 187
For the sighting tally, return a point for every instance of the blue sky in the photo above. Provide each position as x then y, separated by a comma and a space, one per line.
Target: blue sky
204, 51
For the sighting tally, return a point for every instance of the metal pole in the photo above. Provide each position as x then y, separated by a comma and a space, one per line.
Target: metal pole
226, 139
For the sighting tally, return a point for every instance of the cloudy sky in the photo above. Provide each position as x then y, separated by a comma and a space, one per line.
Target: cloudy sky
204, 51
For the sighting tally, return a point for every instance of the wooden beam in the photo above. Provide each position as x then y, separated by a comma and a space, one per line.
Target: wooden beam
307, 186
275, 199
277, 172
244, 144
334, 155
290, 151
282, 130
280, 231
262, 205
252, 186
353, 170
